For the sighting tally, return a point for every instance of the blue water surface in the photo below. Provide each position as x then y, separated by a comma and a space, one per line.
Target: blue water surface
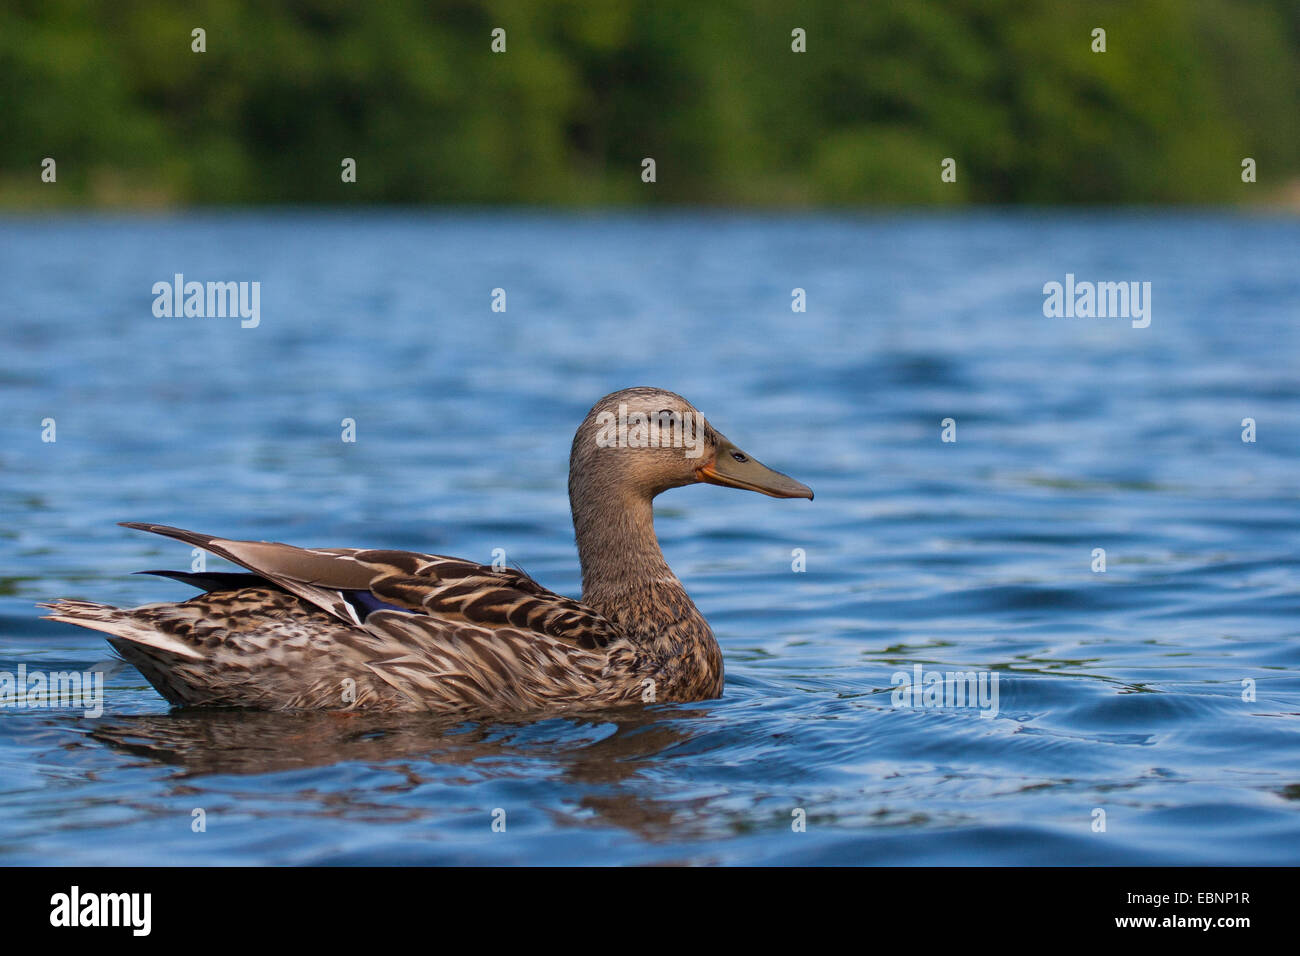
1125, 696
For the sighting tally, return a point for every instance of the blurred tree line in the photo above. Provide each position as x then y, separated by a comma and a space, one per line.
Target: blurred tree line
1011, 89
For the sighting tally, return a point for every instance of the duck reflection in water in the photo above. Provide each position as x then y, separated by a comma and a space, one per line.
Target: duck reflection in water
603, 753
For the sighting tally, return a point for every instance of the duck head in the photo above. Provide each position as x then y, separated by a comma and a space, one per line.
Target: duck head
643, 441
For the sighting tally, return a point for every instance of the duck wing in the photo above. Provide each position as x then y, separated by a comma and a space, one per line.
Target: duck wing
358, 585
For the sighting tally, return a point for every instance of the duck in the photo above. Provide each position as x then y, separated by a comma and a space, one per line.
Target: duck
384, 630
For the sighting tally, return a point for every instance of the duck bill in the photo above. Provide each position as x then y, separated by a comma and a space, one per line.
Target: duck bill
732, 468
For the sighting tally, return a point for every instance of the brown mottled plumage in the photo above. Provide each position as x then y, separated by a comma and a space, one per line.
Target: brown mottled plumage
344, 628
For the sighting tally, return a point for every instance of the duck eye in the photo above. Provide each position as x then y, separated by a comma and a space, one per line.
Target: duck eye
738, 456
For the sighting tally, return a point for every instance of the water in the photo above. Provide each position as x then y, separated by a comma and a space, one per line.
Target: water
1119, 691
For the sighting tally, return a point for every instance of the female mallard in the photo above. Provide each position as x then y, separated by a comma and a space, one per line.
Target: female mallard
342, 628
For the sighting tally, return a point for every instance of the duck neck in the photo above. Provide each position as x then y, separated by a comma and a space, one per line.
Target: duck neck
622, 563
626, 579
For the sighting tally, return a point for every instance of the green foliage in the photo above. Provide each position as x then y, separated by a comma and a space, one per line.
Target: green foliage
1010, 89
